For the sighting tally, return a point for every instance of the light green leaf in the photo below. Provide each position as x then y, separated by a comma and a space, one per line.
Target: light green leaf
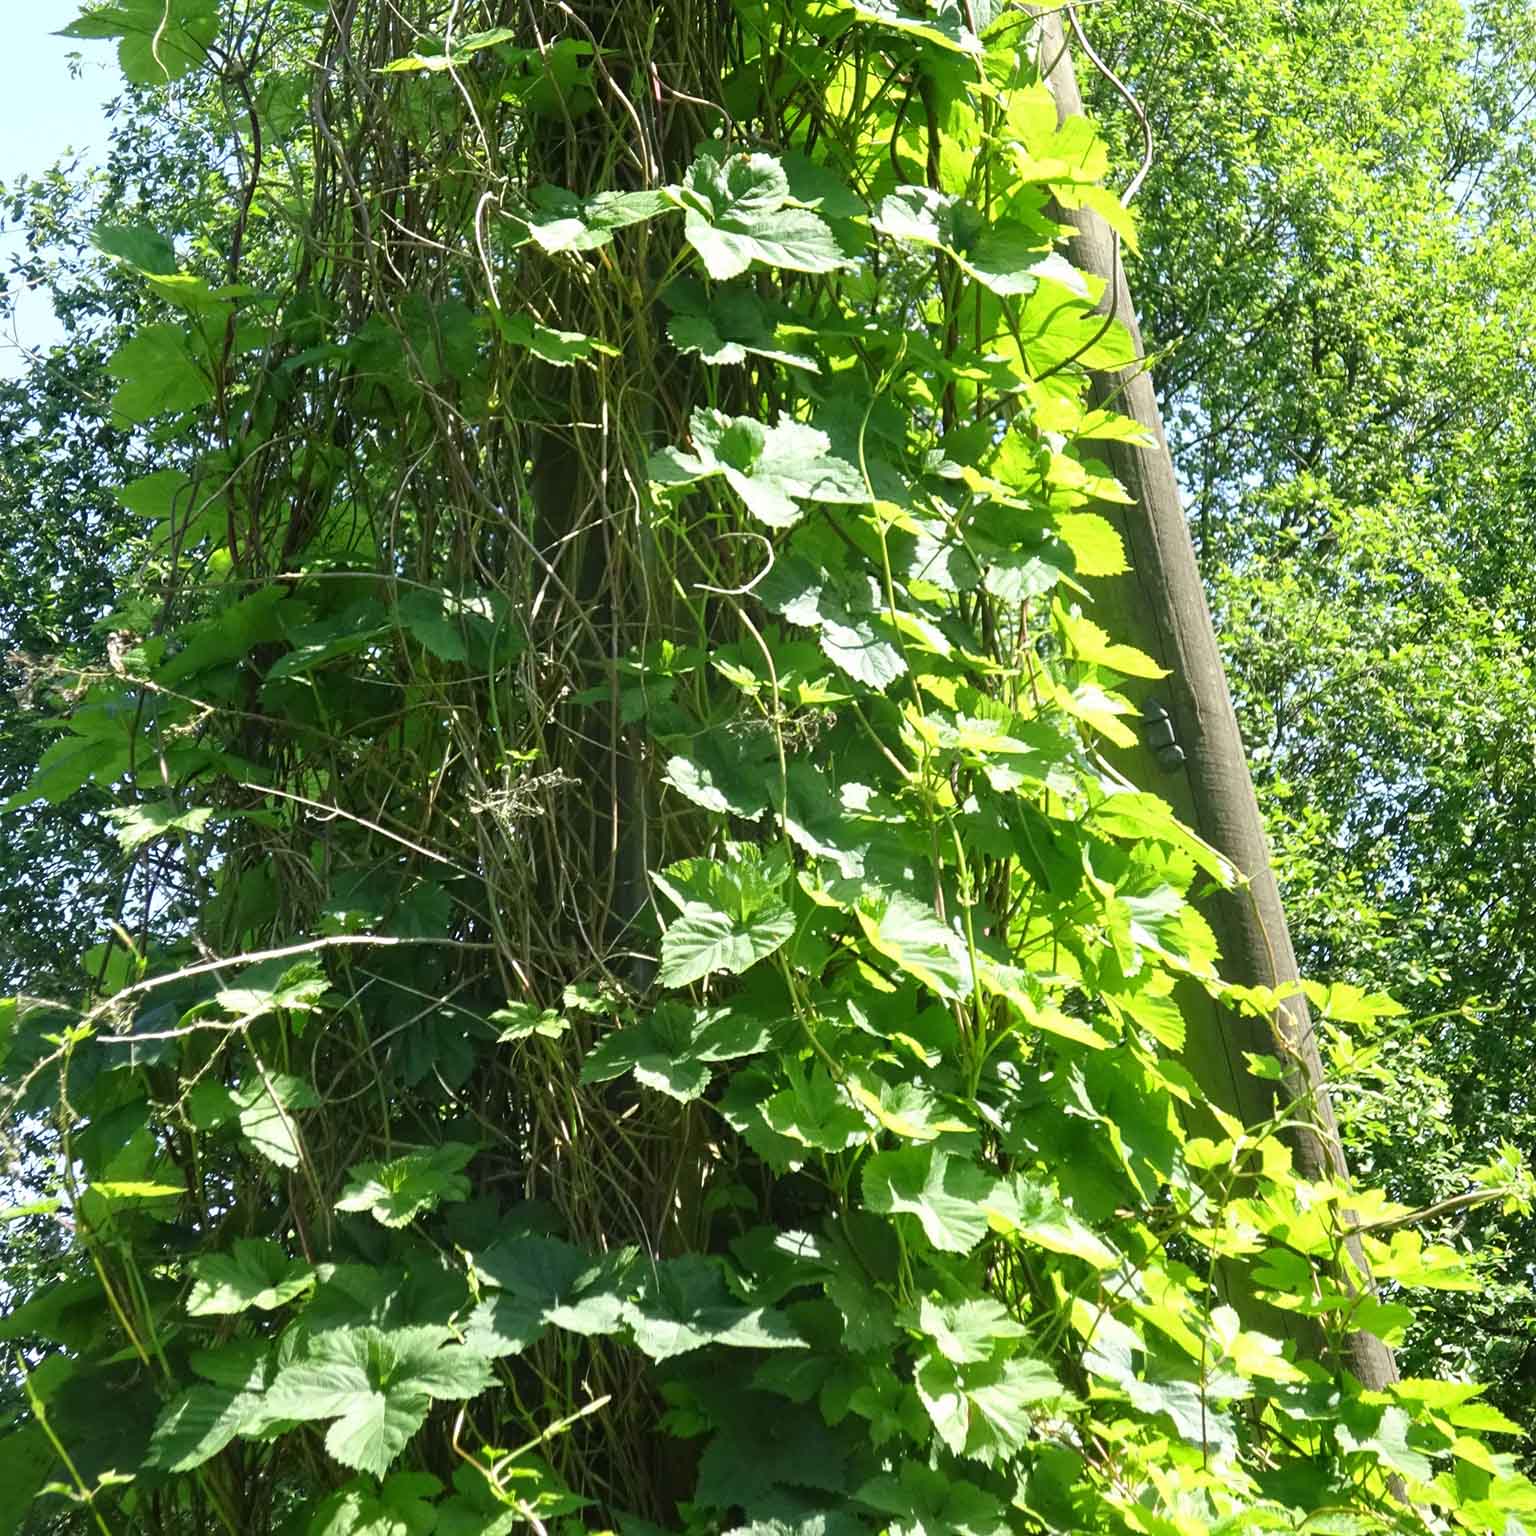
1037, 1215
396, 1191
135, 825
969, 1331
256, 1273
949, 1195
1137, 816
1006, 257
374, 1427
159, 40
985, 1410
267, 1115
772, 468
562, 348
906, 1109
909, 933
159, 373
1096, 545
703, 940
848, 619
815, 1112
1087, 643
376, 1385
738, 213
141, 247
439, 57
519, 1021
133, 1190
31, 1208
732, 915
944, 22
746, 881
560, 221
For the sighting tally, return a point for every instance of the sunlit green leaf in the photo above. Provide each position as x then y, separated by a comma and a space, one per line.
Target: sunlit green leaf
397, 1190
255, 1273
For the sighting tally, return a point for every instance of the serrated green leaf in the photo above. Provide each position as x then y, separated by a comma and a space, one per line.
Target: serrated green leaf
984, 1411
138, 245
738, 213
905, 1109
256, 1273
771, 468
541, 1282
729, 326
1087, 643
969, 1331
1096, 545
273, 986
1037, 1214
1005, 257
910, 934
135, 825
942, 22
725, 775
376, 1385
198, 1425
397, 1190
400, 1506
848, 620
560, 221
160, 374
929, 1502
520, 1021
683, 1304
374, 1427
703, 940
158, 40
671, 1049
815, 1112
948, 1194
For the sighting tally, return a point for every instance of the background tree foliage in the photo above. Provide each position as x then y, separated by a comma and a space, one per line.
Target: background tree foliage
635, 1002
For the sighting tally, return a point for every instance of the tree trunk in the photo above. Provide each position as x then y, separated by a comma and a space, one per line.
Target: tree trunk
1160, 607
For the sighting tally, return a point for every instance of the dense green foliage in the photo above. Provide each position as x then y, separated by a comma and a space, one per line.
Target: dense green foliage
635, 1001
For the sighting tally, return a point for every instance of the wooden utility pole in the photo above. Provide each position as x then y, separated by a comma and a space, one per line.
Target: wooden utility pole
1159, 606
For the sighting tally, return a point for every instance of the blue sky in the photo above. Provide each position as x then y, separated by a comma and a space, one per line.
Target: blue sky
44, 115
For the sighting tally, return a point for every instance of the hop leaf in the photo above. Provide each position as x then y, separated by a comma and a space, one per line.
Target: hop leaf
397, 1191
377, 1386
